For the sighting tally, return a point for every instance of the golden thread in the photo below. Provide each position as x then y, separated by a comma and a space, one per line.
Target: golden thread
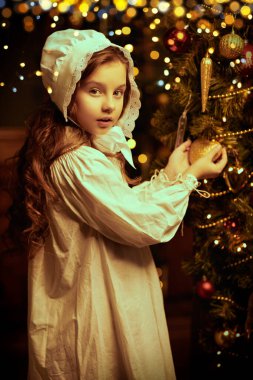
213, 195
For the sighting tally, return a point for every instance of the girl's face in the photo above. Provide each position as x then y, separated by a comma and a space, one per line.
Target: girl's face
98, 101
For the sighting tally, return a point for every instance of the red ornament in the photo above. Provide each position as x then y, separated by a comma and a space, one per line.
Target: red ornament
176, 40
204, 288
246, 66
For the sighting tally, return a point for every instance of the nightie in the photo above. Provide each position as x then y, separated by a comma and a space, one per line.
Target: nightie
95, 304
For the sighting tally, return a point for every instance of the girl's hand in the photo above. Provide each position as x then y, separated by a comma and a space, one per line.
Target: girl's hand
210, 165
178, 161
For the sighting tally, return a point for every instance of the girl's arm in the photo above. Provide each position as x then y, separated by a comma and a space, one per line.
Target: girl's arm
94, 192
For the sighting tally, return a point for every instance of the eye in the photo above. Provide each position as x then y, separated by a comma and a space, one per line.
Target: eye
94, 91
119, 93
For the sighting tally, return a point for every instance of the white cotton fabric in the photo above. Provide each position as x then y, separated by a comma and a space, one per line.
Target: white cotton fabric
95, 304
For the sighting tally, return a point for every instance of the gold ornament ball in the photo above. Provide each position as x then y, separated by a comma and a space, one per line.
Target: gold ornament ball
231, 46
200, 148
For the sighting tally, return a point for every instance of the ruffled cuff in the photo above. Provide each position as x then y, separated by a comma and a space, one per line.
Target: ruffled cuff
190, 182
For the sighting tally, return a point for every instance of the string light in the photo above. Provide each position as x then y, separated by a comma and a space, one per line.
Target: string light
209, 225
232, 93
239, 262
230, 134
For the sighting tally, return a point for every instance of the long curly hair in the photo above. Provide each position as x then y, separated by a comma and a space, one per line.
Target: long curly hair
45, 143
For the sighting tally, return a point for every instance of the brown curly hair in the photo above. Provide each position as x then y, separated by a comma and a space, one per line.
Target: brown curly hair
45, 143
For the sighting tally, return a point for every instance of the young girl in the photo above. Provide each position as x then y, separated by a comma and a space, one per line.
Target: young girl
95, 303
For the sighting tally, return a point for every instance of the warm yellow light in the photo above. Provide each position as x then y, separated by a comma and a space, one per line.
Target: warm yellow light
234, 6
167, 86
83, 7
177, 80
129, 47
136, 71
245, 10
126, 30
229, 19
140, 3
63, 7
211, 50
38, 73
216, 33
131, 143
154, 54
49, 90
142, 158
180, 35
155, 39
131, 12
121, 5
179, 11
2, 84
22, 64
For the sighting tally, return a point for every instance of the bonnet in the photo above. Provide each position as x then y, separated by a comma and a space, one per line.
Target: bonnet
65, 56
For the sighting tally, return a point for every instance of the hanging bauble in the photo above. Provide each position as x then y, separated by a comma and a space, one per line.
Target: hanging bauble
200, 148
246, 66
204, 288
231, 45
206, 72
177, 41
236, 177
224, 338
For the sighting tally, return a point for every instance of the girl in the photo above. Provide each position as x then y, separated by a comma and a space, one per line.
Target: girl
95, 302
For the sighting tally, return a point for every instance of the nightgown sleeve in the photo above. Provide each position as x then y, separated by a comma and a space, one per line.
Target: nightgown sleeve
94, 192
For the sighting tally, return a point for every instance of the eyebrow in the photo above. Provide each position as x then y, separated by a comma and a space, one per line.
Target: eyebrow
101, 84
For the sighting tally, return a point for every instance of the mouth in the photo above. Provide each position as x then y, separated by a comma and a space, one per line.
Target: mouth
104, 122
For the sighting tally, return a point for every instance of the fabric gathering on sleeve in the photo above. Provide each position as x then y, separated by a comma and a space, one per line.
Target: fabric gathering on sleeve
94, 191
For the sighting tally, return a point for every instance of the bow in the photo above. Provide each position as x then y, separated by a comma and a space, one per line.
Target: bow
112, 142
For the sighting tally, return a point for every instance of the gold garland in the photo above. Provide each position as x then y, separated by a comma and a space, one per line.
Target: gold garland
209, 225
228, 134
242, 261
229, 300
230, 94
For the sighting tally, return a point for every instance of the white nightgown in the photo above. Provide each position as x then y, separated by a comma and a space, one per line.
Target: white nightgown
95, 303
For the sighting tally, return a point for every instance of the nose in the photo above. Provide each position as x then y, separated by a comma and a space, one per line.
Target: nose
108, 105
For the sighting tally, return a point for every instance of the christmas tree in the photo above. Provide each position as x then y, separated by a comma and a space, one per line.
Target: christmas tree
208, 84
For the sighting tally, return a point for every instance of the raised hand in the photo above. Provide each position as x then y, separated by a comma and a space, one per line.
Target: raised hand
178, 161
210, 165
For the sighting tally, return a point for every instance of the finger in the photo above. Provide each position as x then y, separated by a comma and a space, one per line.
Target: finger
215, 152
185, 145
224, 157
223, 160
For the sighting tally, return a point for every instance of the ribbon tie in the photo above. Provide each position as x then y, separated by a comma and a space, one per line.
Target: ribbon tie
114, 141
